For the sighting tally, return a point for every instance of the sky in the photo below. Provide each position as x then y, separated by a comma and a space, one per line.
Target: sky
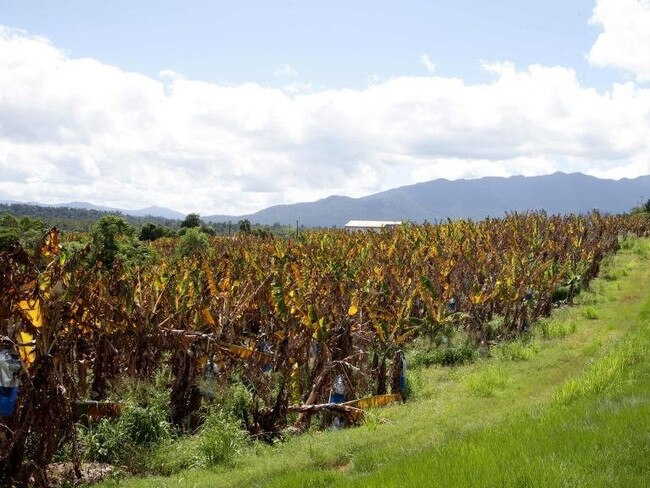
230, 107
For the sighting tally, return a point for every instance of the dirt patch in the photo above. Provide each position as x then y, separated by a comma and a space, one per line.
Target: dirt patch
62, 474
342, 467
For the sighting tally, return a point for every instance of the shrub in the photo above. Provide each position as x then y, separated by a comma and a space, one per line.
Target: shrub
561, 293
142, 424
116, 440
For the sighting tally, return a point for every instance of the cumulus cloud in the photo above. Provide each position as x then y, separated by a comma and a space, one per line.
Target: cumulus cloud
427, 63
297, 87
625, 39
285, 71
79, 129
170, 74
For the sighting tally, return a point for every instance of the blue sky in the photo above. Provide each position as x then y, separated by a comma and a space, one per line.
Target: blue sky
230, 107
330, 43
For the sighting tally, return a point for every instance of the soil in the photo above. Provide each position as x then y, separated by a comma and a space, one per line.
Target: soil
62, 474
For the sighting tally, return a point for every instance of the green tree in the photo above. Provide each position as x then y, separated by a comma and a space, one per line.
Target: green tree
194, 241
646, 206
208, 230
24, 231
151, 232
191, 220
245, 226
111, 236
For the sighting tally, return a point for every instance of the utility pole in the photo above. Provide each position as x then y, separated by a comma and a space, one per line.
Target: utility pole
296, 228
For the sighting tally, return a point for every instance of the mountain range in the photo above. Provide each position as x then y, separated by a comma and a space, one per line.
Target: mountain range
441, 199
477, 198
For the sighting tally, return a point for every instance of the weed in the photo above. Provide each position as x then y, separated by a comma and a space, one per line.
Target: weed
555, 329
590, 313
121, 439
640, 247
604, 374
220, 439
373, 418
416, 386
486, 382
516, 350
444, 355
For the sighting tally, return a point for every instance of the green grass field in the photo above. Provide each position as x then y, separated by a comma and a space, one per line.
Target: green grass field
569, 408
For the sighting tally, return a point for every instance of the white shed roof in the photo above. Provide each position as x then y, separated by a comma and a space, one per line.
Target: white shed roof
372, 224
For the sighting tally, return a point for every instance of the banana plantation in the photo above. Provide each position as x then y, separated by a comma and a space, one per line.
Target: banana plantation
296, 321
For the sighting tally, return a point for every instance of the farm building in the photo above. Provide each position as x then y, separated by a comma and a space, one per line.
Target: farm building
376, 225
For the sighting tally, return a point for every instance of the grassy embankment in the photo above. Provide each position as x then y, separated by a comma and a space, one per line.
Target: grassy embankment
569, 408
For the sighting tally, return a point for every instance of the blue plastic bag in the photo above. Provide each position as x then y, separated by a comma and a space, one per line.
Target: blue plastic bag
8, 398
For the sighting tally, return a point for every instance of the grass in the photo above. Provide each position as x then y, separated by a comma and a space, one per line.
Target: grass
556, 329
594, 434
590, 313
520, 350
596, 441
567, 408
487, 381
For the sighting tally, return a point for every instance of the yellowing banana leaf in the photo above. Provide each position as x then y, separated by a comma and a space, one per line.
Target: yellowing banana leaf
212, 285
375, 401
354, 306
26, 349
32, 311
247, 353
207, 317
51, 244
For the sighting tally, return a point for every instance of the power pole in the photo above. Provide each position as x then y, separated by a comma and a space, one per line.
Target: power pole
296, 228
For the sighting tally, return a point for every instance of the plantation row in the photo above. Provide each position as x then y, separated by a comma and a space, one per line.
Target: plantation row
285, 318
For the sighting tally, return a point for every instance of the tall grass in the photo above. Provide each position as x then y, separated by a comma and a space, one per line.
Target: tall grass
519, 350
608, 373
557, 329
486, 382
594, 435
221, 439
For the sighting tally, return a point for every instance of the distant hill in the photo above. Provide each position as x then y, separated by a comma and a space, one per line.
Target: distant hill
154, 211
476, 199
163, 212
75, 218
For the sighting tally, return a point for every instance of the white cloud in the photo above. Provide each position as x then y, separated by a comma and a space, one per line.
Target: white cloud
427, 63
625, 40
297, 87
170, 74
78, 129
374, 79
285, 71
